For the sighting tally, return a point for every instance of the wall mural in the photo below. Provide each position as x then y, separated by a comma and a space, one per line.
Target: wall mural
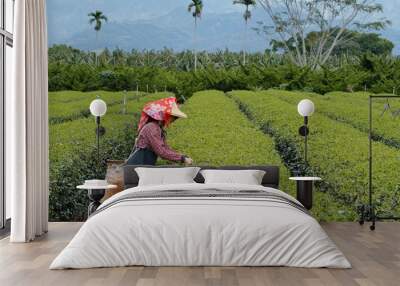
241, 105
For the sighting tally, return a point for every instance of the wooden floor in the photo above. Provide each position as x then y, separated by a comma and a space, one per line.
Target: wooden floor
375, 257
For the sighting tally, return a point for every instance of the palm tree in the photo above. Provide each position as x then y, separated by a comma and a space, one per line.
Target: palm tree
246, 16
197, 7
97, 17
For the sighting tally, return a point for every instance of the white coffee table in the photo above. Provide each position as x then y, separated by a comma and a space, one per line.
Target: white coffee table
305, 190
95, 194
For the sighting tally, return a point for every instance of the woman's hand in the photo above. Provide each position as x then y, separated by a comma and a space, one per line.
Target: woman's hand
188, 161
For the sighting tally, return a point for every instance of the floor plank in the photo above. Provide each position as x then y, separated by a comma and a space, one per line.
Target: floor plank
375, 257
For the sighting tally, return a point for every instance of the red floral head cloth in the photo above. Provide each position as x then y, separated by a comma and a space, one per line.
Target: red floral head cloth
160, 110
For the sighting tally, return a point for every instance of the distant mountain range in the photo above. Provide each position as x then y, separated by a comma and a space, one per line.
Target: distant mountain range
155, 24
173, 30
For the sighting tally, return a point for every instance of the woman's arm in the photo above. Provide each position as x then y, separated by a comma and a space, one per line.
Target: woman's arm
158, 145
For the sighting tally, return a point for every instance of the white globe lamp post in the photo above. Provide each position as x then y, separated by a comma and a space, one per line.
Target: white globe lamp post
305, 108
98, 109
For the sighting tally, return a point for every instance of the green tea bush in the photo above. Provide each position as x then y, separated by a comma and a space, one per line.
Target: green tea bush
337, 152
71, 105
66, 203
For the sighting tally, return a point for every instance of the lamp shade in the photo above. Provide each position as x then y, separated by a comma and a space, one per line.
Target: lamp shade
98, 107
306, 107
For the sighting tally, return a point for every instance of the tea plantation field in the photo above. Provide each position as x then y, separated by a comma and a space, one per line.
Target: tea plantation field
218, 133
73, 156
353, 110
77, 130
338, 149
239, 128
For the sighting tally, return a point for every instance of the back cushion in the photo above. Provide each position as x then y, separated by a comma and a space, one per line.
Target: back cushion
247, 177
166, 176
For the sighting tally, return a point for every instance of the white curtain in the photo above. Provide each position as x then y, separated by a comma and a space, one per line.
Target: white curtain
27, 124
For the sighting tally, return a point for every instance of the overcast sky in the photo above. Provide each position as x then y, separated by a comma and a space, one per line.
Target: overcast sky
161, 6
67, 17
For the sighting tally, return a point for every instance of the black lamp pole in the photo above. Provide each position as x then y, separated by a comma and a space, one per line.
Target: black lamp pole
305, 138
304, 131
98, 138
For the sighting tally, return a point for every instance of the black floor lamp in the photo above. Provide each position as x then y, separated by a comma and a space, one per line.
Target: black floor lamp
98, 108
304, 184
367, 212
305, 108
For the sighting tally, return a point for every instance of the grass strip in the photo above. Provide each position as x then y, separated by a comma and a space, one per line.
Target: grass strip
72, 105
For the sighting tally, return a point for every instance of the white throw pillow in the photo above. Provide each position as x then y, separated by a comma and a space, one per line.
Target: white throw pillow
247, 177
166, 176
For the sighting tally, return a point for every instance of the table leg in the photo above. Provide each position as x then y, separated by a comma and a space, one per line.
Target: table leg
304, 193
94, 196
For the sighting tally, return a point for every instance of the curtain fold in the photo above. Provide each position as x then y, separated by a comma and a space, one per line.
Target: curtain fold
27, 123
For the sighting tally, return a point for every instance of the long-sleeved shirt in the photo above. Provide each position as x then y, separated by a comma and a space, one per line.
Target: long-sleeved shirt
151, 137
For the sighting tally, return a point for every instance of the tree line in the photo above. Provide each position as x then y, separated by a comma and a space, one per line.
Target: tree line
149, 71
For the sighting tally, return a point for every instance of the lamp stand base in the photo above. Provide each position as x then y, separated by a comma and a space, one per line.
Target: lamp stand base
95, 196
367, 213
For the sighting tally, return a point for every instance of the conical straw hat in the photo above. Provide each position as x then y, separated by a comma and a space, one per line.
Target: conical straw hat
175, 111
